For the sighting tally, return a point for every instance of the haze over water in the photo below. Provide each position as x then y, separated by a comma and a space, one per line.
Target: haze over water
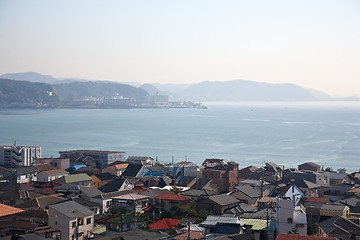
327, 133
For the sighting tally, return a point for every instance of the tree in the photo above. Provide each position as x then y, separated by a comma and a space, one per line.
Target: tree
329, 169
175, 189
341, 170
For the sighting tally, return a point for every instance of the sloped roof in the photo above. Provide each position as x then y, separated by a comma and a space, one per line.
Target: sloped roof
73, 178
131, 196
7, 210
198, 192
166, 223
119, 166
172, 196
155, 192
56, 172
212, 220
113, 185
185, 180
201, 183
317, 199
311, 164
132, 170
332, 207
223, 199
259, 224
70, 209
43, 167
41, 202
248, 190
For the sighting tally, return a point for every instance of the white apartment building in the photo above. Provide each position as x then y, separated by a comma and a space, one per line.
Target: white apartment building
15, 156
290, 217
72, 219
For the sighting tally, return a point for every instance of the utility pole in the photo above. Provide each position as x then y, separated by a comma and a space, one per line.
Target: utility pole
267, 219
154, 217
189, 238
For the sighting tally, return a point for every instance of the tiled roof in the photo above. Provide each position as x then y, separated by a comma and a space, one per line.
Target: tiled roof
131, 197
7, 210
119, 166
317, 199
172, 196
248, 190
283, 236
332, 207
223, 199
41, 202
166, 223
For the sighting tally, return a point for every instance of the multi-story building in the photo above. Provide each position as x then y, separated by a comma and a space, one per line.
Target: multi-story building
224, 174
290, 217
15, 156
102, 158
72, 219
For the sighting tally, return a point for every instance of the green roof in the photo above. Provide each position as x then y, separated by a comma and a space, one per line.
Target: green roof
74, 178
99, 229
259, 224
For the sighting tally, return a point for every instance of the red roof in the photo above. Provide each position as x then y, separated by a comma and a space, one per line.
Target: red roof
166, 223
317, 199
283, 236
172, 196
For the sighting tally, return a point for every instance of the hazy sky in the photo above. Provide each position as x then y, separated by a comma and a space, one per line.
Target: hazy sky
311, 43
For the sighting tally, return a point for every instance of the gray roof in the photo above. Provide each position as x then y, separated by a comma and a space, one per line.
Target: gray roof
223, 199
113, 185
198, 192
132, 170
212, 220
332, 207
72, 209
248, 190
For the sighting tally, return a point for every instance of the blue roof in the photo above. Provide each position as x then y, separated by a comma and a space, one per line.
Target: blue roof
75, 167
153, 173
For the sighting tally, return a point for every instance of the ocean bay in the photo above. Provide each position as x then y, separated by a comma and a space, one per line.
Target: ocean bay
249, 133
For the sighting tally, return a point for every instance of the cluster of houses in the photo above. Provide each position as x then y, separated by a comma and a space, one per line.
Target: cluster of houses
87, 194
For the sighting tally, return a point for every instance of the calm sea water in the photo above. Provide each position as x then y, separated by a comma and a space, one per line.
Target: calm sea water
248, 133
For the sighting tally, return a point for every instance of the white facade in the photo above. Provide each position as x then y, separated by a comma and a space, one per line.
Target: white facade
72, 219
19, 155
289, 217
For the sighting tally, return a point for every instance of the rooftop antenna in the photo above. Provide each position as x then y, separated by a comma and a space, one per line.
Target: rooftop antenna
15, 143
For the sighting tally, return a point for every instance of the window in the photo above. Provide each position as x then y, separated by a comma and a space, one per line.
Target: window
289, 220
88, 221
74, 224
80, 221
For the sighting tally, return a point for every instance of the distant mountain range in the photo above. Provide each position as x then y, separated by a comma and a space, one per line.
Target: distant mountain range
235, 90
